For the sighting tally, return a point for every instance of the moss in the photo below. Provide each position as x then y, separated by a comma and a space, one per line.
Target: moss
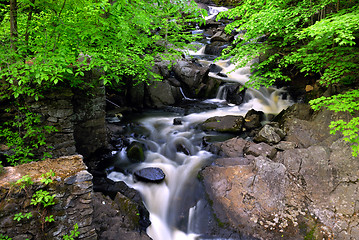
310, 235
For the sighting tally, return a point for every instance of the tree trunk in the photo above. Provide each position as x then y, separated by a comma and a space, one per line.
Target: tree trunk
29, 16
13, 24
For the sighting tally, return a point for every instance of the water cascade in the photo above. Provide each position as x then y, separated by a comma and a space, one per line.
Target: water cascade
176, 205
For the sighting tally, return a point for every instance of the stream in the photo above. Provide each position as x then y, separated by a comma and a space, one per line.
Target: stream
177, 206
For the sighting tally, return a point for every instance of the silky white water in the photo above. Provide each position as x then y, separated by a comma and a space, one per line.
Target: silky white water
175, 211
164, 200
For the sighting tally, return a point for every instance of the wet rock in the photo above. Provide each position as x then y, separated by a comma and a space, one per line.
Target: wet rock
234, 94
210, 23
191, 77
183, 149
215, 48
215, 68
151, 174
269, 134
221, 36
162, 93
135, 152
208, 88
232, 148
177, 121
253, 119
224, 124
222, 75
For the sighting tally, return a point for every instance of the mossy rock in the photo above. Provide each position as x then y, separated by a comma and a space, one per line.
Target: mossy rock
135, 152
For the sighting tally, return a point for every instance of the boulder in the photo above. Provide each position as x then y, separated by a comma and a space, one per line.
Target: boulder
162, 93
307, 189
135, 152
261, 149
215, 68
191, 76
232, 148
258, 199
253, 119
118, 217
150, 174
234, 94
270, 134
177, 121
215, 48
221, 36
208, 88
227, 123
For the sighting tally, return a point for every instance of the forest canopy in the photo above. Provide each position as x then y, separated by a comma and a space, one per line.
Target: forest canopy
52, 44
317, 38
43, 43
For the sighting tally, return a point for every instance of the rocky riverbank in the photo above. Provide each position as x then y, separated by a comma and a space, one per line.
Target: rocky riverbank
303, 185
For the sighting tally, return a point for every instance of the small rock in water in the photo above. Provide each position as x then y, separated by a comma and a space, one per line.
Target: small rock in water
177, 121
215, 68
151, 174
135, 152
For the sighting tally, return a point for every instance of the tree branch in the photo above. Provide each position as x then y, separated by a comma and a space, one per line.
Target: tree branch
13, 24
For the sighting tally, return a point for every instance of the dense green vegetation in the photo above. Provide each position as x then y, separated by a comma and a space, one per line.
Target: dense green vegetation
312, 38
44, 44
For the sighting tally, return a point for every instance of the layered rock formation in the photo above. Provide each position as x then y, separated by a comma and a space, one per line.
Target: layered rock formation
305, 185
72, 191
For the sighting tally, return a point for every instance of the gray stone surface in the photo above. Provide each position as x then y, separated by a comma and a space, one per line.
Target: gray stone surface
270, 134
73, 192
227, 123
310, 184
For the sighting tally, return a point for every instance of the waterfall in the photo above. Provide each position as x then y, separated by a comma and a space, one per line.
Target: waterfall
177, 205
174, 205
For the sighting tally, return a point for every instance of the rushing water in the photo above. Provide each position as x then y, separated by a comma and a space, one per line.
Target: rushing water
176, 206
173, 204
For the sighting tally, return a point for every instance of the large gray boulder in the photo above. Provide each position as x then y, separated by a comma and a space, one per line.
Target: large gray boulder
256, 197
163, 93
309, 188
227, 123
191, 76
270, 134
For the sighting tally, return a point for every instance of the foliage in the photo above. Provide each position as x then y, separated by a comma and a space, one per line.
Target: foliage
326, 47
73, 234
19, 216
23, 135
43, 198
58, 41
24, 182
4, 237
349, 102
52, 43
315, 38
40, 198
47, 177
